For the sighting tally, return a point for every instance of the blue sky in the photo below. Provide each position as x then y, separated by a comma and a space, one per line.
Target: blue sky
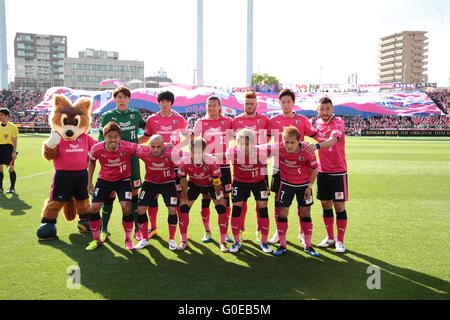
294, 40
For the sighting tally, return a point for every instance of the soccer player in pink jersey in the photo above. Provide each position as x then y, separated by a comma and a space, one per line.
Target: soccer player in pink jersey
298, 174
114, 156
249, 177
204, 178
257, 122
170, 125
159, 180
288, 117
216, 129
332, 182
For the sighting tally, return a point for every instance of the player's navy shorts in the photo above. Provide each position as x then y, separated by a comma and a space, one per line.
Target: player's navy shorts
150, 190
5, 154
194, 191
332, 186
68, 184
227, 183
241, 191
103, 189
288, 191
276, 180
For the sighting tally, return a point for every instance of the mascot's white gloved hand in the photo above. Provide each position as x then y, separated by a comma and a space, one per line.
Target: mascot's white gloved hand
53, 140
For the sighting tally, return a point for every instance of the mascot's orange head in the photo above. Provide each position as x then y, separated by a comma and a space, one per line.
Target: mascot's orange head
71, 121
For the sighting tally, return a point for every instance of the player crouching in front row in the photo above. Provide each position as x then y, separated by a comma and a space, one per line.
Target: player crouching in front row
114, 157
299, 171
204, 178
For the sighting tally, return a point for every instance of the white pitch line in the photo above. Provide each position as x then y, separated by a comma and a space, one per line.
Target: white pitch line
29, 177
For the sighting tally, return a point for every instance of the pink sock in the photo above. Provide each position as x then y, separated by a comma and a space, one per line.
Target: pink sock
243, 215
228, 213
264, 224
236, 228
223, 226
128, 228
172, 231
144, 229
300, 226
258, 219
96, 228
307, 228
282, 231
329, 226
342, 227
153, 216
205, 218
184, 224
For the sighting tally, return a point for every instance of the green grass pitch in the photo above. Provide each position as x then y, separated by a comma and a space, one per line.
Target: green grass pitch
399, 218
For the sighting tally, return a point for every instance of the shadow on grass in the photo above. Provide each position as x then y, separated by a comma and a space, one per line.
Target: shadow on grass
203, 272
13, 204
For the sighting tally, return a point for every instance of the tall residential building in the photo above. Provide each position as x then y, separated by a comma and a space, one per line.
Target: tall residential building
39, 61
92, 67
402, 57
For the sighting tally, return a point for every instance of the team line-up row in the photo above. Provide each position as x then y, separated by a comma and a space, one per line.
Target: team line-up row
180, 177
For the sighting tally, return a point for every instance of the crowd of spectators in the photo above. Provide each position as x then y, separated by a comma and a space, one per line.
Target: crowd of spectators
442, 100
21, 103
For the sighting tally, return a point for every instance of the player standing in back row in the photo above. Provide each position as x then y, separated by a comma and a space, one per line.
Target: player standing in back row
216, 130
277, 124
130, 121
332, 182
258, 122
170, 125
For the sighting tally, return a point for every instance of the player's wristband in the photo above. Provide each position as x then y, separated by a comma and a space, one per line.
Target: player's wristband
318, 146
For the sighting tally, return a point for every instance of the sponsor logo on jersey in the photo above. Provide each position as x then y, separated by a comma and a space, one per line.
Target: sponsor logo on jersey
5, 136
166, 128
114, 161
74, 146
215, 129
290, 162
251, 128
126, 124
158, 165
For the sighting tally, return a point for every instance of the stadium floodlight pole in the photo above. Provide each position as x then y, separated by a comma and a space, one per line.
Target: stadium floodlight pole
3, 51
199, 80
249, 42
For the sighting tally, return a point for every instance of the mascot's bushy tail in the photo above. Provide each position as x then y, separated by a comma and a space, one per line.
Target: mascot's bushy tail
70, 211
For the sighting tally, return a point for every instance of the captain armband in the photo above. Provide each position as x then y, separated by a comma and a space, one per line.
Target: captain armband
216, 181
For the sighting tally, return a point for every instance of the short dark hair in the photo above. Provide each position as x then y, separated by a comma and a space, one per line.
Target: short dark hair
5, 111
325, 100
287, 92
166, 95
112, 126
214, 98
124, 90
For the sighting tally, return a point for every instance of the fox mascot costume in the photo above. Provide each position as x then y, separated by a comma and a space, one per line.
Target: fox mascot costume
68, 147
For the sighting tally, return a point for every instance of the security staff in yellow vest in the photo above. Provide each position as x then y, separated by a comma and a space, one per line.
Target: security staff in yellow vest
8, 148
